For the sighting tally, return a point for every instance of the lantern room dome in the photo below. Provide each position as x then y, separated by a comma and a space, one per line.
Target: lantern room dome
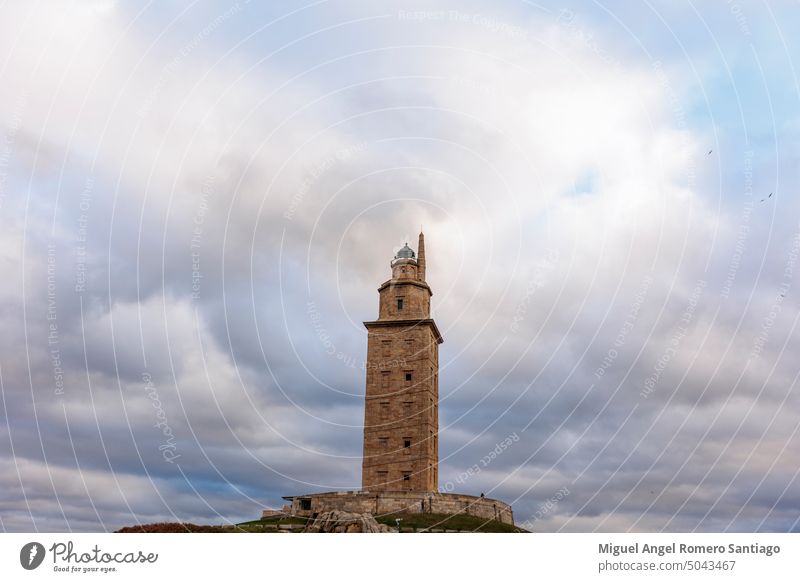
405, 253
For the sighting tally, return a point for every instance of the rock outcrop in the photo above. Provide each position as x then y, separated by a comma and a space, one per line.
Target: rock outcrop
346, 522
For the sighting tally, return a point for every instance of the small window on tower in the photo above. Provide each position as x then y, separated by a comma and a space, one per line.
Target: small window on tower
384, 379
385, 405
383, 477
408, 376
387, 347
406, 477
399, 304
407, 443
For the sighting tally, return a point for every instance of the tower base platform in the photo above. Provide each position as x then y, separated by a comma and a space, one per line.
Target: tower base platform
391, 502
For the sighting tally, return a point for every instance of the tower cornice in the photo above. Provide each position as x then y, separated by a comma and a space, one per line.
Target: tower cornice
398, 282
402, 322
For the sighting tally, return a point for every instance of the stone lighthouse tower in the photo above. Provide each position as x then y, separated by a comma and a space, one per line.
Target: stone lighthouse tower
399, 471
401, 411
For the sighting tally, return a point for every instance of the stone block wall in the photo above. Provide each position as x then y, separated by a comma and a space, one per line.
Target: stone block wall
391, 502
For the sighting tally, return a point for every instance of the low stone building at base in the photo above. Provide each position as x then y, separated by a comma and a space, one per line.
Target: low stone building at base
380, 503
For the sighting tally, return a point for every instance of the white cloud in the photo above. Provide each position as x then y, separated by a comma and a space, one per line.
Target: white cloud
548, 177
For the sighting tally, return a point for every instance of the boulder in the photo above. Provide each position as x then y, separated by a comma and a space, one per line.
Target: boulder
346, 522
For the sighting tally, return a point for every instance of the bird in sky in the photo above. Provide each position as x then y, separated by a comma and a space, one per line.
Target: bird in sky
709, 152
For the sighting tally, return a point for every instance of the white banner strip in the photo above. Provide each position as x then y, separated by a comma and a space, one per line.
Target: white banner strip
401, 557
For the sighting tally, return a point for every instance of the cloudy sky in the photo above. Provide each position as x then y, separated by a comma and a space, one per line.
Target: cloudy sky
199, 201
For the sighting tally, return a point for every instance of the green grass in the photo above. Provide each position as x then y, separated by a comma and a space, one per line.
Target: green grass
458, 522
268, 525
274, 520
418, 521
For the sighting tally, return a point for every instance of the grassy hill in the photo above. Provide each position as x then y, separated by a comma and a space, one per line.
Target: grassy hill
435, 522
410, 522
